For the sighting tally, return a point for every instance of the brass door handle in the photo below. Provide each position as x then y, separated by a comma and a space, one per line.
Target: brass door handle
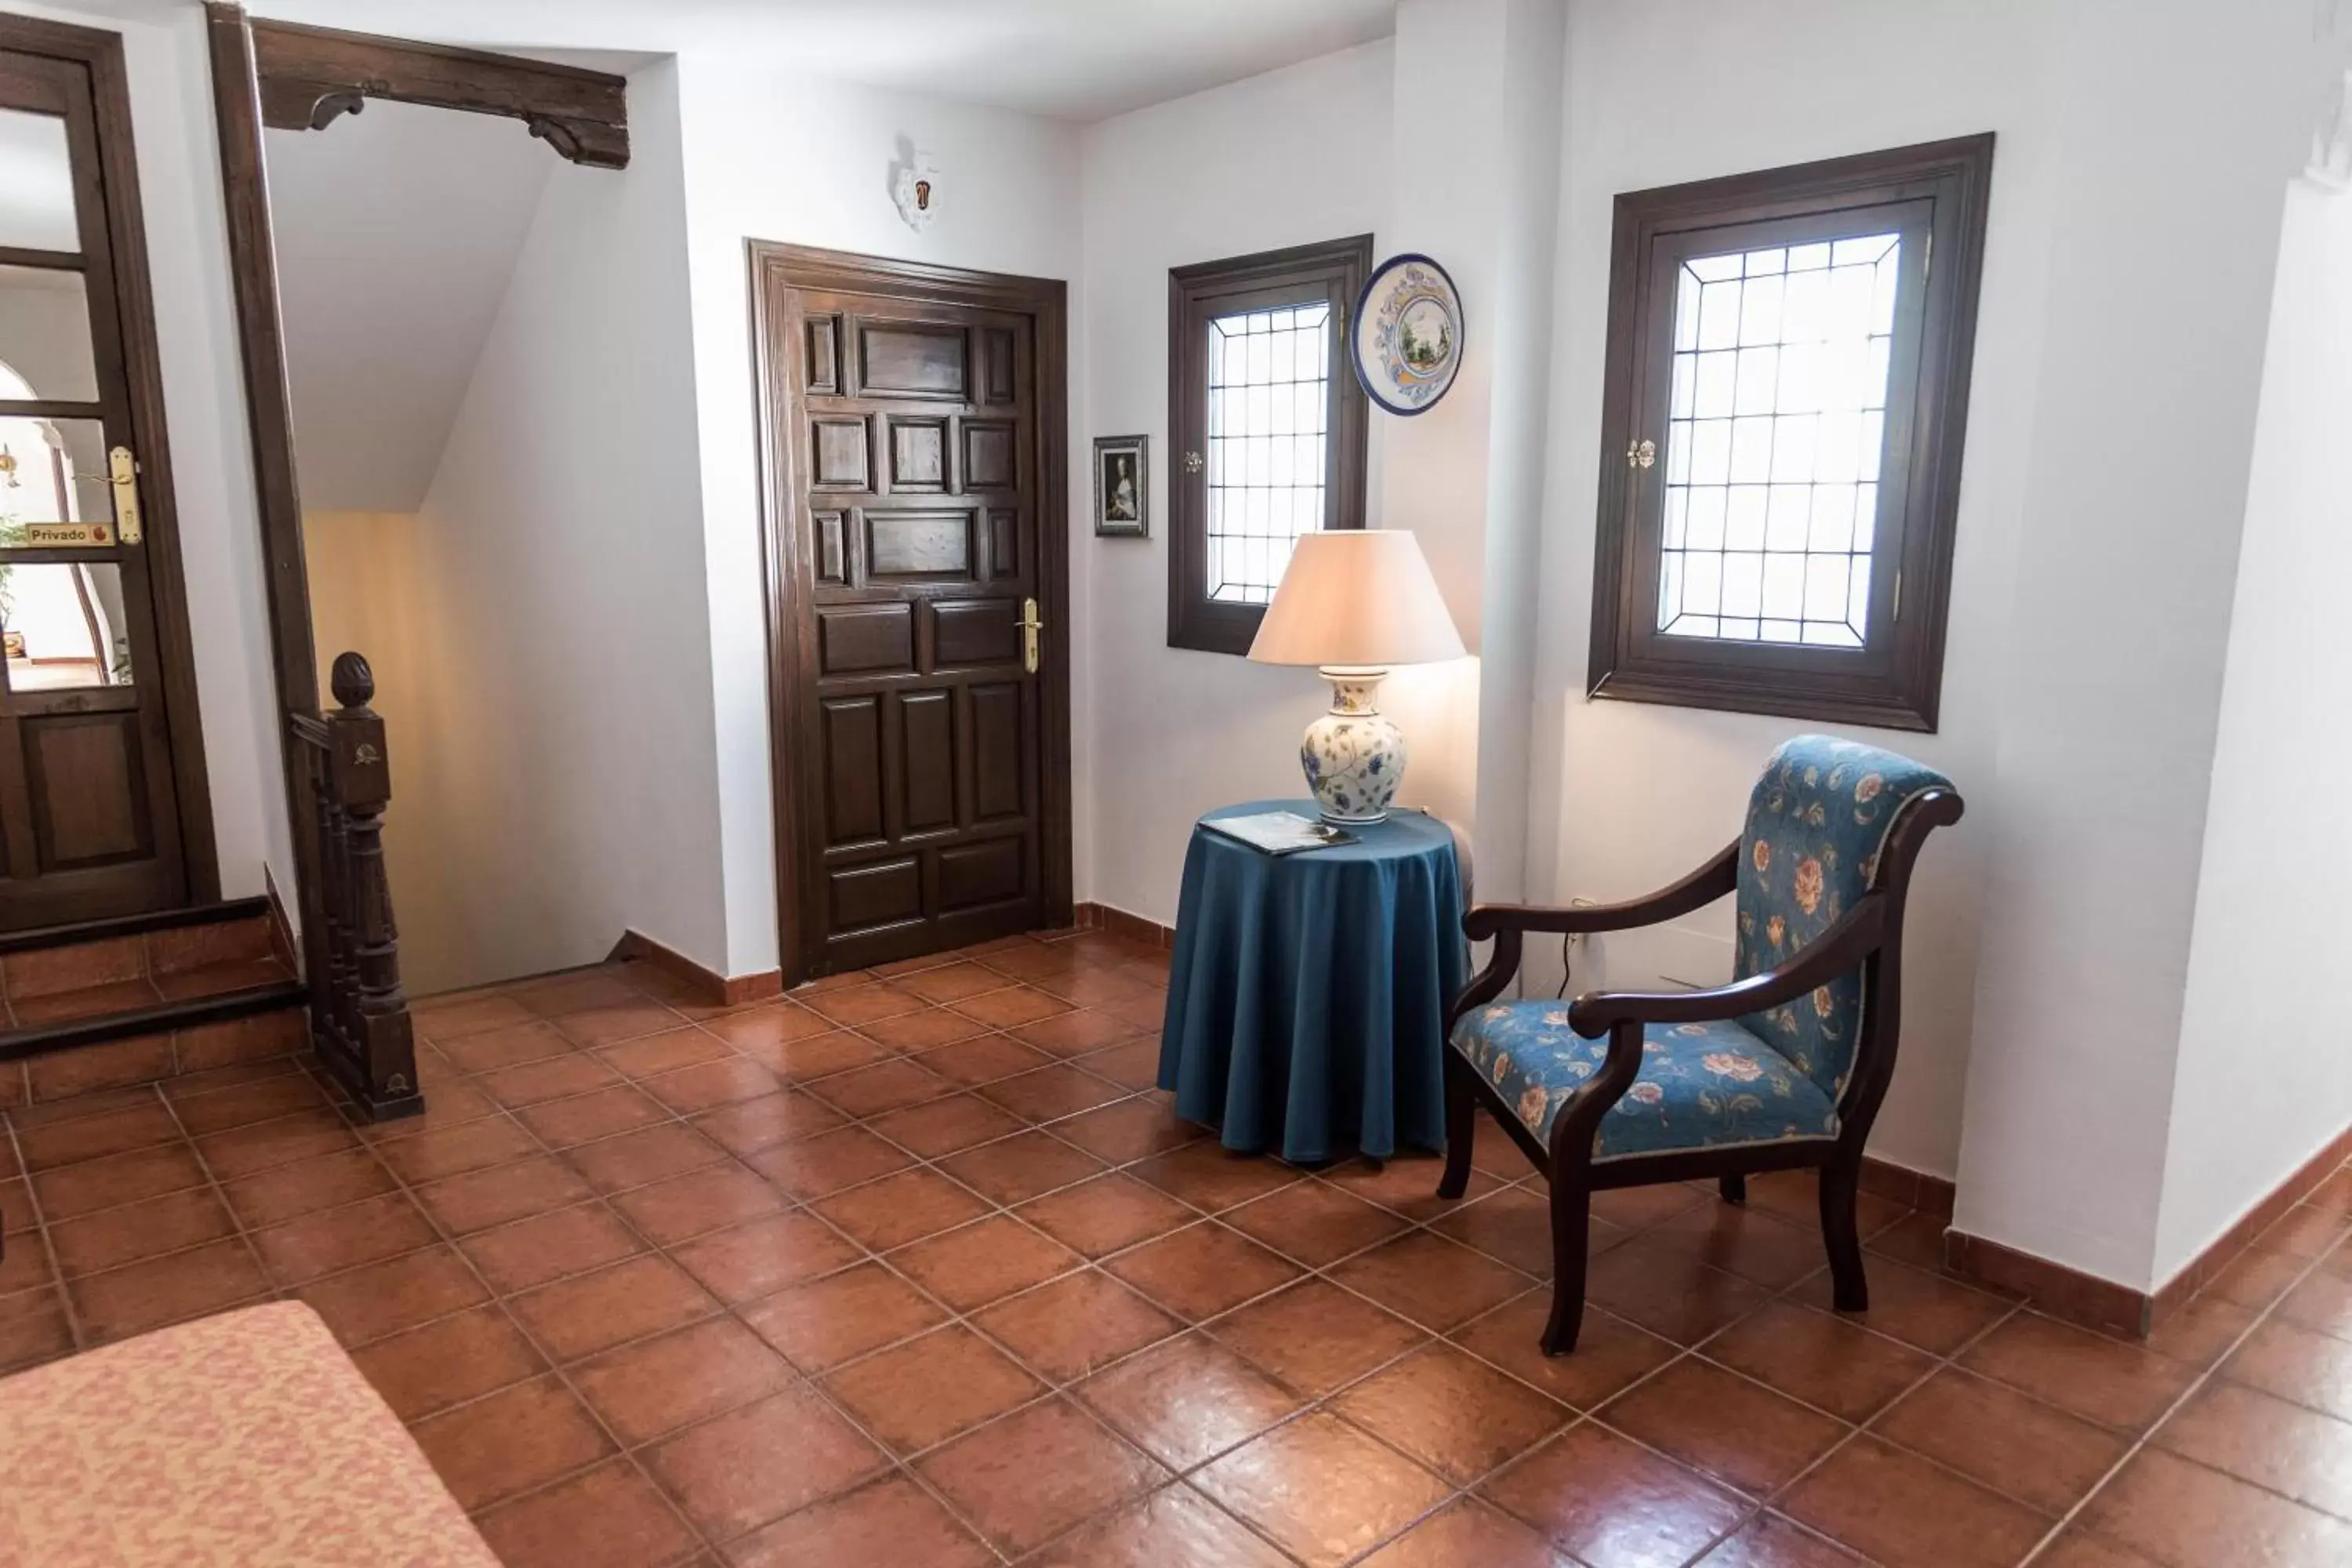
1030, 626
122, 474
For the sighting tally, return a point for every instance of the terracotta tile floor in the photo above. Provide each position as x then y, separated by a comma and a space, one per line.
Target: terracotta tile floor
915, 1269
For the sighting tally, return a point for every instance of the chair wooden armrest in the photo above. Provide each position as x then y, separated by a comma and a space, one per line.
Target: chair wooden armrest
1838, 951
1719, 877
1507, 924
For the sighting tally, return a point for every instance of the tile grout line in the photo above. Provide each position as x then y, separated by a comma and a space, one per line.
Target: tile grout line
554, 1366
906, 1465
1410, 1225
1407, 1222
1231, 1209
1762, 1502
903, 1465
677, 1115
1857, 1430
1053, 1388
2195, 1385
220, 1195
40, 1232
602, 1198
1950, 1361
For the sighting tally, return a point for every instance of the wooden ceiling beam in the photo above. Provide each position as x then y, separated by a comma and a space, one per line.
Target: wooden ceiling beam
309, 77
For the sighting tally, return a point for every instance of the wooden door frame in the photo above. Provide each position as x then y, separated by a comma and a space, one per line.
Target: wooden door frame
791, 653
100, 52
334, 76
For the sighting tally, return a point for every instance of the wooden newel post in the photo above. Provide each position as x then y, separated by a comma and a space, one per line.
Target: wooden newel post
360, 785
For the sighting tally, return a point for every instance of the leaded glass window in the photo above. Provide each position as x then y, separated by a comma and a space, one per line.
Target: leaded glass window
1784, 403
1268, 403
1266, 425
1777, 427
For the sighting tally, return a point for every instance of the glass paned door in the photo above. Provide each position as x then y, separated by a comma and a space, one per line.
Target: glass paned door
89, 813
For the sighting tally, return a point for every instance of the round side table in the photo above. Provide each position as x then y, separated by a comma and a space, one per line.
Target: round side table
1307, 992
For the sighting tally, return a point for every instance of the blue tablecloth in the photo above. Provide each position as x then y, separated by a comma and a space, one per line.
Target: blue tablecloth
1306, 999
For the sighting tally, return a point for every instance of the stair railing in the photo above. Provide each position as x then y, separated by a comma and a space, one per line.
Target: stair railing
359, 1018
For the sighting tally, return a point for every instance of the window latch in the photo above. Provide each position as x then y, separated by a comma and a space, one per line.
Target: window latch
1641, 454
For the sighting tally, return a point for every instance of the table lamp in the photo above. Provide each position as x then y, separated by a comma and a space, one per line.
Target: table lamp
1354, 602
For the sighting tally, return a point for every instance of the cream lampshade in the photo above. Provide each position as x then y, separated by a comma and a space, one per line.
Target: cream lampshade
1356, 602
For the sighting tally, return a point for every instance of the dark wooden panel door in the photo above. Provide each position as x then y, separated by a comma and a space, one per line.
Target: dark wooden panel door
914, 467
90, 821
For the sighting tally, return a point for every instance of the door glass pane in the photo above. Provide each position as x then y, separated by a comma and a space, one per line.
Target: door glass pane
36, 197
63, 627
44, 335
53, 472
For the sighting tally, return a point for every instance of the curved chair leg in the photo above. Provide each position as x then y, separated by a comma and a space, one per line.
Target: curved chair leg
1572, 1220
1841, 1183
1732, 1188
1461, 1125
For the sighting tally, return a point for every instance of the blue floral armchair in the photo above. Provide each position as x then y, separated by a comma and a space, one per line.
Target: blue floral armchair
1785, 1067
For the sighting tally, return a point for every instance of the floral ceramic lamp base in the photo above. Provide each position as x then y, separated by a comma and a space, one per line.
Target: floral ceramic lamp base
1354, 756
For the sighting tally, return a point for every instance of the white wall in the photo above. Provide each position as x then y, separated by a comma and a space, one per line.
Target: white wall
1467, 476
397, 229
771, 156
2263, 1079
1287, 158
369, 592
561, 738
203, 401
2111, 677
1626, 796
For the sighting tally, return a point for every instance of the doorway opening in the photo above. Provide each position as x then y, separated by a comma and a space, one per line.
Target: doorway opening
409, 269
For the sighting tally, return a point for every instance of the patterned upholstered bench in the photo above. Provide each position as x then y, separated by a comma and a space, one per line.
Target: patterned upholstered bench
247, 1440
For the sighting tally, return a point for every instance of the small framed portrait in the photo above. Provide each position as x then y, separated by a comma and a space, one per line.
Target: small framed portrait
1122, 491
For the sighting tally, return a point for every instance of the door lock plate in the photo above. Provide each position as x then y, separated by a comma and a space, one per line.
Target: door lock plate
122, 474
1030, 625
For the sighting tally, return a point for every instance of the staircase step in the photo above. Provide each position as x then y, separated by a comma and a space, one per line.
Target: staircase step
106, 1003
156, 1016
226, 911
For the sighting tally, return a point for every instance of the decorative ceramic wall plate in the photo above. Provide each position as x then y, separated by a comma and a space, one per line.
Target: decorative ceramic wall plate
1408, 332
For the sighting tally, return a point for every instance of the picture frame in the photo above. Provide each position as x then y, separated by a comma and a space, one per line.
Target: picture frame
1122, 487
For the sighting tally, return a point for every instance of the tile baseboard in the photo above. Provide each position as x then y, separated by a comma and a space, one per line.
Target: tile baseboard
2098, 1303
709, 985
1118, 923
1912, 1189
2061, 1292
2224, 1248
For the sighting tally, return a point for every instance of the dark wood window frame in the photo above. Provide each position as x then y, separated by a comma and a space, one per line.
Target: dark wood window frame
1333, 270
1938, 190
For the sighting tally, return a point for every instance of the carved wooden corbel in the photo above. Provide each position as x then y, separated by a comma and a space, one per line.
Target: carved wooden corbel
312, 76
